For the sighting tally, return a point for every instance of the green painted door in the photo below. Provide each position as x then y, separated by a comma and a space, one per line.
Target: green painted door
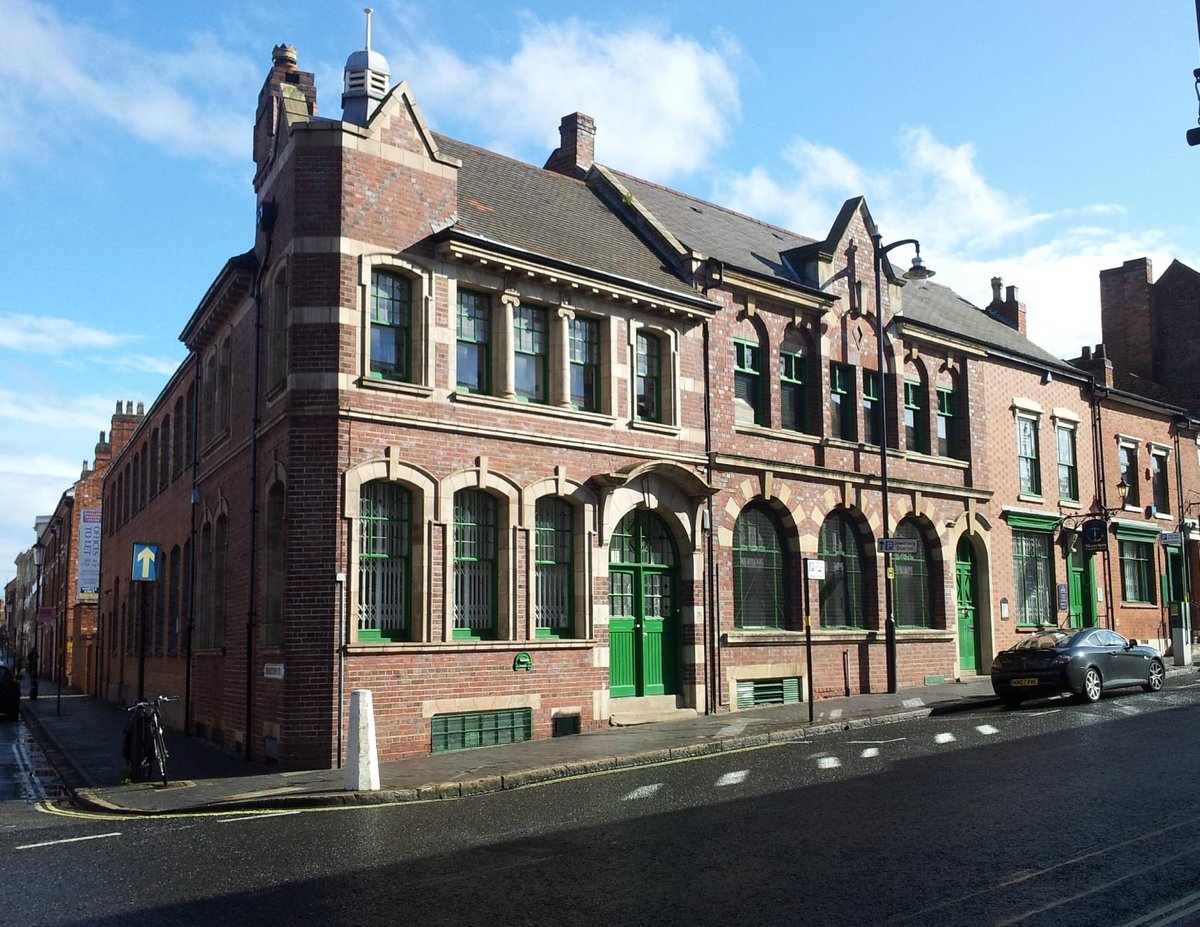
643, 625
1081, 593
968, 619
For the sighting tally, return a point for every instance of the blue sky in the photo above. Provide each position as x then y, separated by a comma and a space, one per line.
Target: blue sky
1040, 142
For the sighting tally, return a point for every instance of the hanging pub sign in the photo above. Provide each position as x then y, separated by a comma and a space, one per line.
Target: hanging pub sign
1095, 535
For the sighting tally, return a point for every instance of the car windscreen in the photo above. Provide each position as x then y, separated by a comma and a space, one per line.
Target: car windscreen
1047, 640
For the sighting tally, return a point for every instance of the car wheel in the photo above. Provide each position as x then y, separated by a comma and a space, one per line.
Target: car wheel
1093, 687
1154, 682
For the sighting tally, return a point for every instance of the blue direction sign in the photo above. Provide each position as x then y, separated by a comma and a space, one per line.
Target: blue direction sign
145, 562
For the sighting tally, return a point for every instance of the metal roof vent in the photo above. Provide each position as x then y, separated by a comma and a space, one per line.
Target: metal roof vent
368, 77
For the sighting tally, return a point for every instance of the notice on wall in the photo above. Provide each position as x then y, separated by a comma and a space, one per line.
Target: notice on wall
87, 575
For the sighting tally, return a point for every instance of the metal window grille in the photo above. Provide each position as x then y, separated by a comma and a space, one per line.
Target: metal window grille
474, 564
391, 319
469, 730
913, 598
1034, 575
385, 533
752, 693
758, 571
841, 590
553, 569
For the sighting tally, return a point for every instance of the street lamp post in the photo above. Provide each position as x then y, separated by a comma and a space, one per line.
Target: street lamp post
39, 557
918, 271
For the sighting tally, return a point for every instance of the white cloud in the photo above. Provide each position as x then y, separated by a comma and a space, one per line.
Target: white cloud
662, 103
55, 72
83, 414
48, 335
970, 231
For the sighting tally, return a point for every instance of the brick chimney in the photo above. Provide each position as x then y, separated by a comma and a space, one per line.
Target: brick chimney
577, 148
1127, 320
286, 87
1007, 310
1096, 363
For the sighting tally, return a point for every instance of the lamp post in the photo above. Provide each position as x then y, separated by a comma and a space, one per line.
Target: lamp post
918, 271
39, 557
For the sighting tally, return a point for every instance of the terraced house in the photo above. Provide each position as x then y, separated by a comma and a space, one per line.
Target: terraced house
532, 450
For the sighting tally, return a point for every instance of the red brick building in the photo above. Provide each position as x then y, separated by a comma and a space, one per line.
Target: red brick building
532, 450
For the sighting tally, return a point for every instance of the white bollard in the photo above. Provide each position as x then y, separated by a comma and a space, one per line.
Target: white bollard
362, 759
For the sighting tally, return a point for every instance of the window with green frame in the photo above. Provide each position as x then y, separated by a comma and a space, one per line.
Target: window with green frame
554, 571
384, 560
841, 401
872, 408
391, 321
649, 377
913, 592
474, 364
760, 597
584, 344
1068, 471
531, 356
793, 391
1029, 467
916, 419
747, 383
947, 423
1137, 571
475, 575
842, 589
1033, 571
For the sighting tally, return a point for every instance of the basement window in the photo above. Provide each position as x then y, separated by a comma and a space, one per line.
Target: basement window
472, 729
754, 693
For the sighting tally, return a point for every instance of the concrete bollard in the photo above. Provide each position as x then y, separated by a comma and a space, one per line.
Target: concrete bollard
362, 759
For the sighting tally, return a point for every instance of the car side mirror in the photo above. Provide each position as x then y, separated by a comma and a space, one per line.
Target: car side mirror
1131, 643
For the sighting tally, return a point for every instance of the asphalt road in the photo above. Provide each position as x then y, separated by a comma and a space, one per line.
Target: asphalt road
1055, 813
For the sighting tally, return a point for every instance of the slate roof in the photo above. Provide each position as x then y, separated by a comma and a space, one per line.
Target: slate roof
512, 203
720, 233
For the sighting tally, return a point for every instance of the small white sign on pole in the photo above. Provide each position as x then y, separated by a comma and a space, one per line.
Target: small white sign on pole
816, 569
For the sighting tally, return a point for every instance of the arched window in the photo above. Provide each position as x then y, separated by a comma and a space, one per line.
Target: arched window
384, 562
913, 600
794, 387
173, 600
277, 333
474, 565
759, 571
649, 387
152, 467
203, 626
164, 454
841, 590
749, 397
273, 583
553, 607
220, 540
177, 436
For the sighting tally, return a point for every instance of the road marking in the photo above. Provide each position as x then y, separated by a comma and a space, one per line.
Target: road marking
52, 843
1127, 709
1048, 711
944, 738
913, 703
829, 762
731, 729
644, 792
1169, 913
835, 713
31, 786
870, 752
256, 817
881, 743
987, 729
733, 778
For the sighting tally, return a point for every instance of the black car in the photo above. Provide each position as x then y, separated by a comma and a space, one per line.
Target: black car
1086, 662
10, 694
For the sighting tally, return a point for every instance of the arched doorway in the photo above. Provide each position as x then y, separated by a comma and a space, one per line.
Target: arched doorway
967, 586
643, 625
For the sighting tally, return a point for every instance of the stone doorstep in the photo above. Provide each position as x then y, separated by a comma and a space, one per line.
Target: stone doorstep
627, 712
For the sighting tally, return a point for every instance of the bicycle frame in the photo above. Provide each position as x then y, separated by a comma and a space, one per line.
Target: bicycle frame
145, 746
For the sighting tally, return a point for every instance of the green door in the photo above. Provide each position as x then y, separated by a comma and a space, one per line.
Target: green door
968, 620
643, 626
1172, 580
1081, 593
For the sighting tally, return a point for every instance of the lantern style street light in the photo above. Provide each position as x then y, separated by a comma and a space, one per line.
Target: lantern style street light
918, 271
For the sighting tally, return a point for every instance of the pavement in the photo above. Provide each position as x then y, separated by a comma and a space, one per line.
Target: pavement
81, 737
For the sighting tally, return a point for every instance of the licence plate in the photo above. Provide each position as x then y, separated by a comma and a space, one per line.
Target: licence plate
1024, 682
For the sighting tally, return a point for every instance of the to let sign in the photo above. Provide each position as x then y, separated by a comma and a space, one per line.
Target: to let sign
145, 562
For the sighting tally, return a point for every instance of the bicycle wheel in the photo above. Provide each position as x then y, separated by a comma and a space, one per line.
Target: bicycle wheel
139, 748
160, 751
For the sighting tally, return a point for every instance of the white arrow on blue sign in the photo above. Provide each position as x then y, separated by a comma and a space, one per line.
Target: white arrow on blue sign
145, 562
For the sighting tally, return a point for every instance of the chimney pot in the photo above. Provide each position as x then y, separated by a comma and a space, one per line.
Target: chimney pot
997, 285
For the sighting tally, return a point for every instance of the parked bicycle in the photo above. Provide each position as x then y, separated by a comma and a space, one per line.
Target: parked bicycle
145, 749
